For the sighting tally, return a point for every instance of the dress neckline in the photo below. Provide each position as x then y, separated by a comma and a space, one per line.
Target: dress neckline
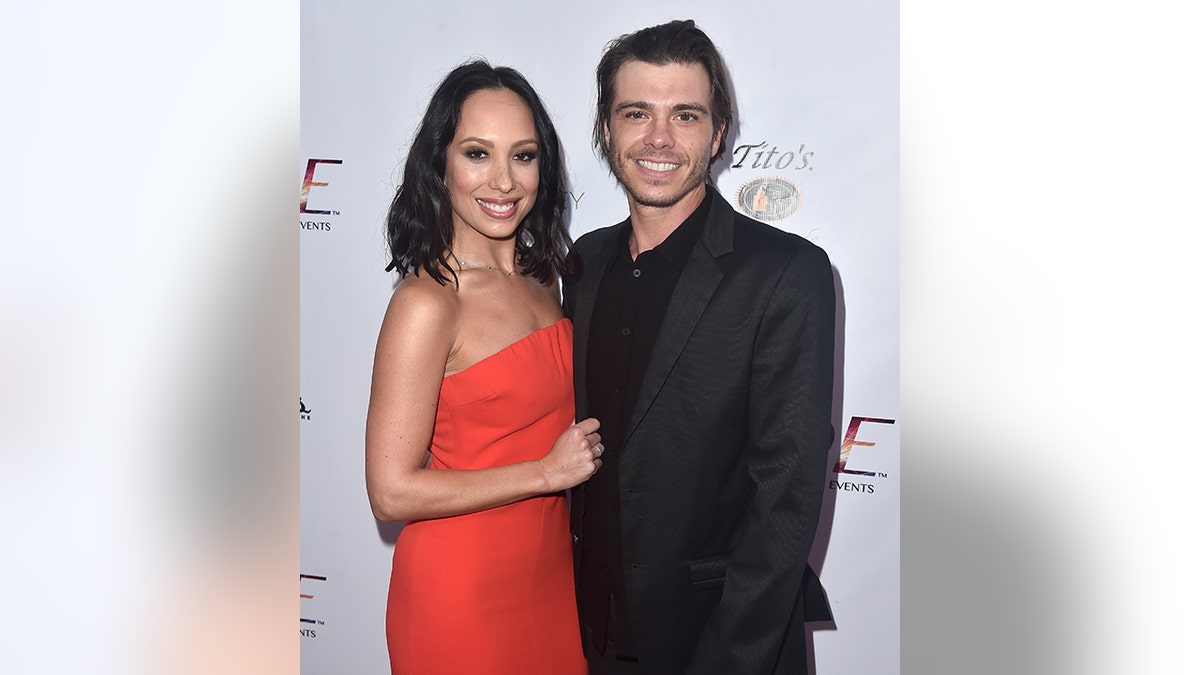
506, 348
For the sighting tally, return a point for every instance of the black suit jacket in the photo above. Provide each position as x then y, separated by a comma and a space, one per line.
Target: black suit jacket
724, 463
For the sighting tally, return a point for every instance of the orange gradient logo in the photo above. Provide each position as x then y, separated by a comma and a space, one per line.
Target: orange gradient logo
310, 182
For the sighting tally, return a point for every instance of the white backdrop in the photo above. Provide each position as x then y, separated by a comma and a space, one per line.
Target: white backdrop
816, 92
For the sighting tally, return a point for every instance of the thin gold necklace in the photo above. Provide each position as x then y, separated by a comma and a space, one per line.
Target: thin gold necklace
467, 265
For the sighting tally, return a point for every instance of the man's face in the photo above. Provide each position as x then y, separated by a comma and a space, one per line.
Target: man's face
660, 136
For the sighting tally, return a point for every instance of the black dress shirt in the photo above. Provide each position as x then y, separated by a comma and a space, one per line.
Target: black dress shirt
630, 304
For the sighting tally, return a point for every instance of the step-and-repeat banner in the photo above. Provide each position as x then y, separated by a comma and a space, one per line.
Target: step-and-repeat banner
816, 125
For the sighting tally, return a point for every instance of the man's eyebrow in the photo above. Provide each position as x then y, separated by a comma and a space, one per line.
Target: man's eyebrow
625, 105
678, 107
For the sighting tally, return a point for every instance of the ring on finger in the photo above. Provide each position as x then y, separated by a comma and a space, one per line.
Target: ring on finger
597, 449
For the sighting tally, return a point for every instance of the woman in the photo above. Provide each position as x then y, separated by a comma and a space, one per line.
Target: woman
470, 437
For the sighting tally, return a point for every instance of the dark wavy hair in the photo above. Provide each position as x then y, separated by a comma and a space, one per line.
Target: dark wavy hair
673, 42
419, 222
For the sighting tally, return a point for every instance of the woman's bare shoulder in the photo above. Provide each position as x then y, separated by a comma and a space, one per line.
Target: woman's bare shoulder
423, 306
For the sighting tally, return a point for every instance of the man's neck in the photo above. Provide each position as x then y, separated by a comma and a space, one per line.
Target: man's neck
653, 224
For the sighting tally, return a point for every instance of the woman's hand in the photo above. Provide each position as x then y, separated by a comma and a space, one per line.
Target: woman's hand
574, 457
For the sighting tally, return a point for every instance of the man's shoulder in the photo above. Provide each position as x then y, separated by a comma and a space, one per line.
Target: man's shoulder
758, 238
592, 241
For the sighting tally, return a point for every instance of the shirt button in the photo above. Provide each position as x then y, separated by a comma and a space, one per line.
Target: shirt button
637, 273
624, 331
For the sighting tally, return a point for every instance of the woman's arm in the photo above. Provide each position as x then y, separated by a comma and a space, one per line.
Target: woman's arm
417, 337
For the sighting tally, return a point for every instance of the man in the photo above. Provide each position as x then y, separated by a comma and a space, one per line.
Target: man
704, 345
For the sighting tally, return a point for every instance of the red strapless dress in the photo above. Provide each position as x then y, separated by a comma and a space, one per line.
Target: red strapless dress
492, 592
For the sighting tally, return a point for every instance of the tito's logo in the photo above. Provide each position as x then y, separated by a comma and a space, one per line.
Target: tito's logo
309, 184
769, 198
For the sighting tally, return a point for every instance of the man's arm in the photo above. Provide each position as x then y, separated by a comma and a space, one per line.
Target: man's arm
791, 394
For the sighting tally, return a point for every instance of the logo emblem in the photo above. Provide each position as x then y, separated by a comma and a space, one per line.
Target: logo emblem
769, 198
310, 183
307, 628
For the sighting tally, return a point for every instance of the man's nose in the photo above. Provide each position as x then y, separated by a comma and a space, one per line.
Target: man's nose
661, 134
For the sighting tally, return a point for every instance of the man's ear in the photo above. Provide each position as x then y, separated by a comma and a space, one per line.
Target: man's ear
718, 136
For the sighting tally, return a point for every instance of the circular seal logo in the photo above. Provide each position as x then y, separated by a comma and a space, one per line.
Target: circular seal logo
769, 198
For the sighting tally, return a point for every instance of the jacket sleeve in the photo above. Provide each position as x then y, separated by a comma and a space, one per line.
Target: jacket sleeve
787, 450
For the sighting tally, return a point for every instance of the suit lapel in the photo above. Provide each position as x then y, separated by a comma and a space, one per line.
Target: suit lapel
699, 280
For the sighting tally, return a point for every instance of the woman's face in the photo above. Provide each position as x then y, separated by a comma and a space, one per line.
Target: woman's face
492, 166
